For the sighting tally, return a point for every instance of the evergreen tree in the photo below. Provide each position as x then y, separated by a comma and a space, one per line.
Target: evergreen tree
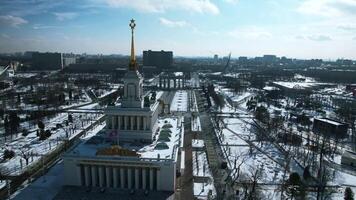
349, 195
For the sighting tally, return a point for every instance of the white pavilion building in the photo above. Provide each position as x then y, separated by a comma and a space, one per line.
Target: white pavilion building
148, 146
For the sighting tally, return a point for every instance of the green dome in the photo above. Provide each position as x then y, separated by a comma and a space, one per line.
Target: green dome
164, 139
167, 126
161, 145
166, 131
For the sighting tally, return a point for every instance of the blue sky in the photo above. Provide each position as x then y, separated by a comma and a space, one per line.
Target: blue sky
294, 28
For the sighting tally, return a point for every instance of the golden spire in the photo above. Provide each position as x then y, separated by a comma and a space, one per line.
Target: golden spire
133, 65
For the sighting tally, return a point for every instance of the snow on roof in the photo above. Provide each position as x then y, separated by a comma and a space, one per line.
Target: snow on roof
330, 121
270, 88
158, 148
182, 160
296, 85
349, 154
240, 97
198, 143
178, 73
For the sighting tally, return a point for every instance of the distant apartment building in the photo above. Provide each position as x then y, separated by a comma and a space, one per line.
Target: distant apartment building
243, 59
68, 61
330, 127
160, 59
51, 61
269, 58
46, 61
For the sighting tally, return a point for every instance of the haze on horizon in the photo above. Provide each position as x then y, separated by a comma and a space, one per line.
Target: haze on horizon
295, 28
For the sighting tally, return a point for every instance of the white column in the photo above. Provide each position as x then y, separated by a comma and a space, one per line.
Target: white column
137, 178
122, 178
112, 122
129, 178
115, 176
151, 178
144, 178
87, 175
101, 176
132, 122
108, 172
93, 175
119, 123
144, 123
138, 122
125, 122
79, 172
158, 179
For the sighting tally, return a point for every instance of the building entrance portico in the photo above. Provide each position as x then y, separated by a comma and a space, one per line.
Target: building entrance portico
175, 80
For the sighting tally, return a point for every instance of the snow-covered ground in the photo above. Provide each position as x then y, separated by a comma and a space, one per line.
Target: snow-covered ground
30, 145
200, 164
203, 178
47, 186
241, 147
195, 125
202, 190
180, 101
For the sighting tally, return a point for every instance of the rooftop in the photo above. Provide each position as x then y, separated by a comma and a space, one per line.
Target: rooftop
330, 121
165, 143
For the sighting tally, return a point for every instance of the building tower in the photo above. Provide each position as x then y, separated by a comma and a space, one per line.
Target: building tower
132, 80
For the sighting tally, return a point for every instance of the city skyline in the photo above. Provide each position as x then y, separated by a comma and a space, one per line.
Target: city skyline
299, 29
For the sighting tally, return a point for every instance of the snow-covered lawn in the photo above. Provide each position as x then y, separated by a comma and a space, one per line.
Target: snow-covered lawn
34, 148
200, 164
201, 190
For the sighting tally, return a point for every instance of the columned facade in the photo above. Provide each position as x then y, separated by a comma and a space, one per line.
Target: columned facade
130, 123
168, 82
120, 177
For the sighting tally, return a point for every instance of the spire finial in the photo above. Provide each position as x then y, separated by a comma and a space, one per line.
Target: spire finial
132, 65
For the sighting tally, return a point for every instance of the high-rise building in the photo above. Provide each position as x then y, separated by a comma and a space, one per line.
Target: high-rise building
160, 59
269, 58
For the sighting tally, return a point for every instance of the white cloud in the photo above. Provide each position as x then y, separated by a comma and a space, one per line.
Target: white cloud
328, 8
231, 1
5, 35
314, 37
347, 27
172, 23
299, 37
61, 16
250, 32
154, 6
12, 20
319, 38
